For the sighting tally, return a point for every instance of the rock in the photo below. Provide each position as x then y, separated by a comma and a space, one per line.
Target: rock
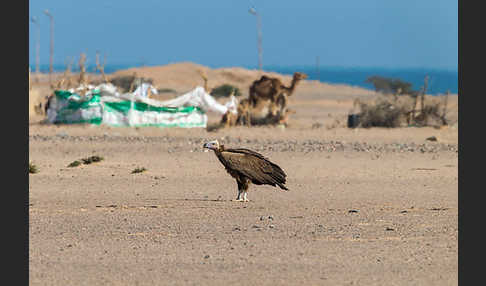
431, 138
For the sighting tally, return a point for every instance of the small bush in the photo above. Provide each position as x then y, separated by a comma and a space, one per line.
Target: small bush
124, 82
92, 159
33, 168
166, 90
74, 164
86, 161
225, 90
139, 170
391, 85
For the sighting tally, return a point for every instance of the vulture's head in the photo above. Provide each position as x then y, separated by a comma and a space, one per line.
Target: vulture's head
212, 145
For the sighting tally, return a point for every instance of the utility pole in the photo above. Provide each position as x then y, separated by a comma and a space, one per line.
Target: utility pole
51, 48
259, 31
37, 43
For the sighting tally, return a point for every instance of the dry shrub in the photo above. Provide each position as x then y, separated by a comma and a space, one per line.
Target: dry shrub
397, 111
92, 159
125, 82
139, 170
433, 113
225, 90
384, 111
33, 168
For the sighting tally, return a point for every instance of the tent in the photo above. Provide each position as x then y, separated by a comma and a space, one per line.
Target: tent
103, 105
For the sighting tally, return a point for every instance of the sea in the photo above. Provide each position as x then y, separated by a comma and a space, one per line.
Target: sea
440, 80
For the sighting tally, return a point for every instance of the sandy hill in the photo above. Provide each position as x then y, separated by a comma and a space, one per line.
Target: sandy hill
185, 76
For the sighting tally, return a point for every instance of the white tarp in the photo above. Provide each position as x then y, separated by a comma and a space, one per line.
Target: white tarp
103, 104
197, 97
200, 98
142, 90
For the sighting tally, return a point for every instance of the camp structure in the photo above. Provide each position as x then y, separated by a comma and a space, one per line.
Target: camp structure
104, 105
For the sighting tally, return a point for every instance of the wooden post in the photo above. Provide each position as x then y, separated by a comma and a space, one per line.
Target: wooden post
412, 118
100, 67
133, 82
66, 78
444, 111
424, 90
82, 69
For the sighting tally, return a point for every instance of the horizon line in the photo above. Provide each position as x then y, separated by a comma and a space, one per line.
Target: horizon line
255, 67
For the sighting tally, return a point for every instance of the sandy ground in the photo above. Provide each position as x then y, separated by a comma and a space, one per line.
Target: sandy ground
365, 207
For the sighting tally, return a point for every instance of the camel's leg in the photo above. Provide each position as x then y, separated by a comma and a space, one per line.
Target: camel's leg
253, 98
282, 101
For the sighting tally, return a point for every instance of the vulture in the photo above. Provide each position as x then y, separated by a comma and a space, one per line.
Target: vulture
247, 167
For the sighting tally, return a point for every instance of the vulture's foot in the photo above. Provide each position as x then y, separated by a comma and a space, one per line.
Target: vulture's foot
245, 199
241, 200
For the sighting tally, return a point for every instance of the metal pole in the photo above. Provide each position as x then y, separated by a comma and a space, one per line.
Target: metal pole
37, 44
51, 48
259, 32
260, 49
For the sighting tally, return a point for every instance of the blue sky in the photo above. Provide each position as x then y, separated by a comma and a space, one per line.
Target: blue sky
222, 33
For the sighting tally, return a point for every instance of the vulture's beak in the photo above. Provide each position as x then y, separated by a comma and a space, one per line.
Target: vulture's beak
206, 145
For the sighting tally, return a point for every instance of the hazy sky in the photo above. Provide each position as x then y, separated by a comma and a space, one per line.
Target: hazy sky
216, 33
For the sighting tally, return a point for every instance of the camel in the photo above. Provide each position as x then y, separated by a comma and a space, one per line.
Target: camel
244, 112
242, 117
268, 88
261, 114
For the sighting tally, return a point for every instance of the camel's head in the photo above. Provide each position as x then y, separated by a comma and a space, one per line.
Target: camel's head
299, 76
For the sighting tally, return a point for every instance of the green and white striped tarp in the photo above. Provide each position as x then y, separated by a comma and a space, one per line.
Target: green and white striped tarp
69, 107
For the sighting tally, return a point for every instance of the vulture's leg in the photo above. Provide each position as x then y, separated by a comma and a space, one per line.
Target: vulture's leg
240, 186
245, 190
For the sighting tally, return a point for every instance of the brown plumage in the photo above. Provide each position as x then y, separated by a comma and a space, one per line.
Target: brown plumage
247, 167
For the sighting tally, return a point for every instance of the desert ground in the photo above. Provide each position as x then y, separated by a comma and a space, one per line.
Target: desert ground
365, 206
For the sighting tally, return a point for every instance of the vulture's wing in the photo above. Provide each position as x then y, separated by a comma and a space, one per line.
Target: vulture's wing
254, 166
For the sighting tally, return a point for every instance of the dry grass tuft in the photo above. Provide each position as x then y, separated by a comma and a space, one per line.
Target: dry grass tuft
74, 164
139, 170
33, 168
92, 159
86, 161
